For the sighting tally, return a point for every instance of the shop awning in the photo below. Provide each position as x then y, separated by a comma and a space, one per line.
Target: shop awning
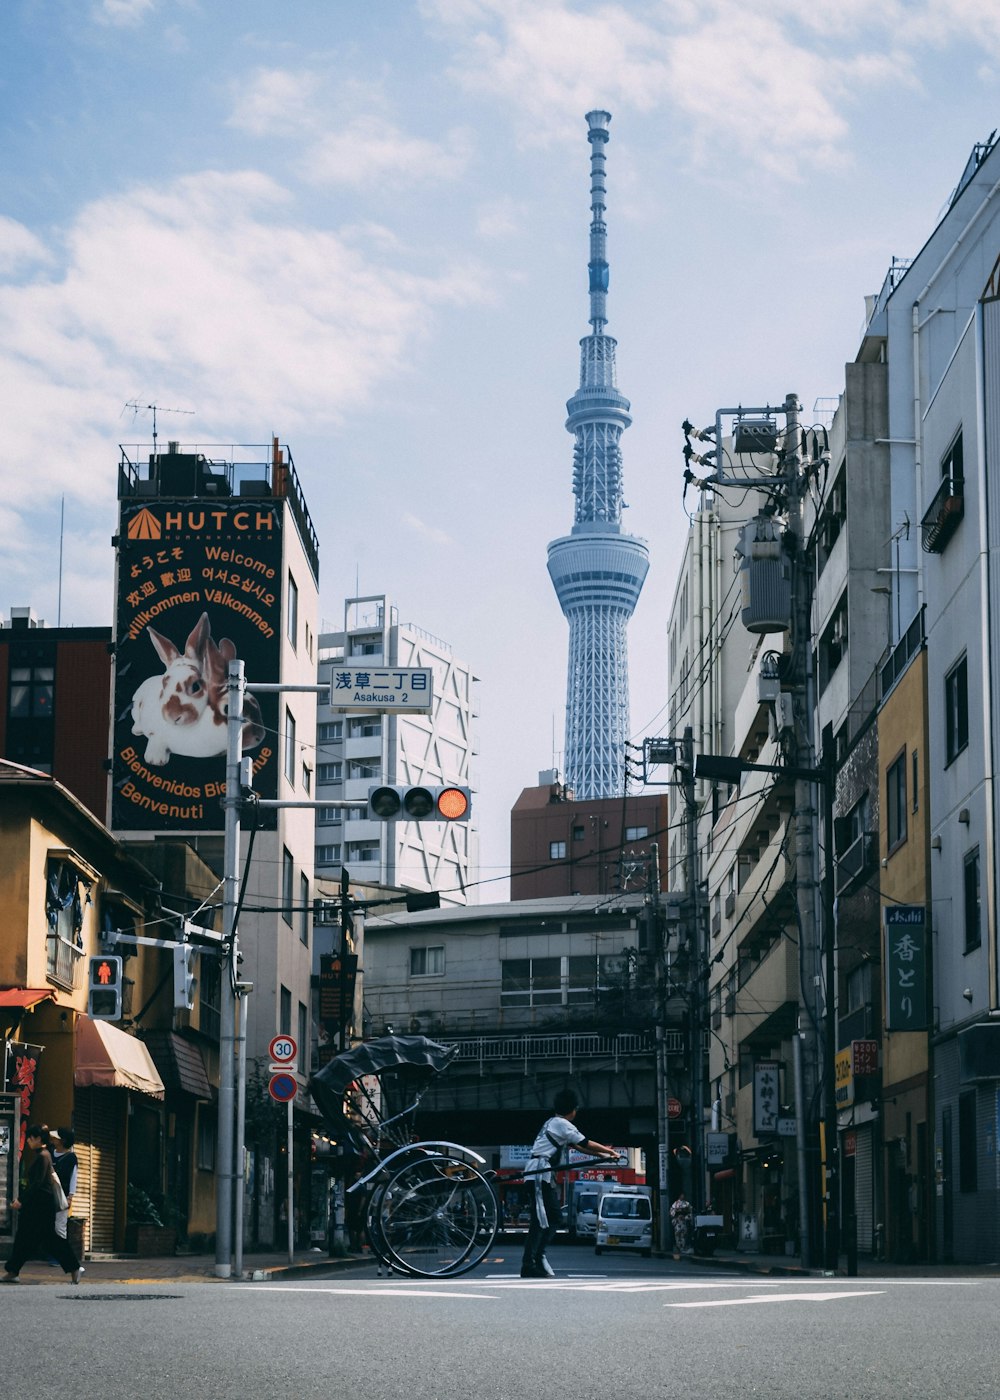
24, 997
107, 1058
180, 1064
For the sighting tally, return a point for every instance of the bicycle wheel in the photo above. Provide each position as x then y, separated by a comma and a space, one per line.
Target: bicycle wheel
437, 1216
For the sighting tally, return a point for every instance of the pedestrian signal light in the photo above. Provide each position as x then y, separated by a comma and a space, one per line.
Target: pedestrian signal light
104, 989
419, 803
184, 978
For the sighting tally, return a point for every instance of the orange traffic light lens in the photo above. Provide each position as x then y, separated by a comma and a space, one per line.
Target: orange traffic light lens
453, 803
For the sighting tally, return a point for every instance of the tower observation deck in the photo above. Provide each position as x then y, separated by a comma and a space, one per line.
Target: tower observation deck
597, 569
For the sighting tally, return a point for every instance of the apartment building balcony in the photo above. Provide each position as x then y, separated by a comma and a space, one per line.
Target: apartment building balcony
768, 993
764, 878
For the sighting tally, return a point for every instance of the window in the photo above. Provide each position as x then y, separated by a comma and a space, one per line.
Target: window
31, 691
285, 1012
307, 778
290, 746
530, 981
363, 768
578, 833
66, 894
366, 727
914, 771
636, 833
956, 709
293, 611
859, 987
365, 646
328, 816
968, 1176
330, 732
557, 850
304, 910
328, 855
303, 1038
287, 884
427, 962
973, 905
364, 852
330, 773
895, 795
833, 643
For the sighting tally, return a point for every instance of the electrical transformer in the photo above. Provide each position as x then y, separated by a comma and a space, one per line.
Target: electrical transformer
765, 576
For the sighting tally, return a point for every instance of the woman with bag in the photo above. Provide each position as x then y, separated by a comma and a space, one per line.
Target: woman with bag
67, 1166
36, 1236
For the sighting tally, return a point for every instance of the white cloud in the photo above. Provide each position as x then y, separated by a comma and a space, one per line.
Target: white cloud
19, 246
275, 102
207, 295
501, 218
771, 81
371, 150
122, 12
427, 532
345, 130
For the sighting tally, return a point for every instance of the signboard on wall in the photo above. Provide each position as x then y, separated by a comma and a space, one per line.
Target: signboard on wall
766, 1098
905, 928
338, 974
199, 584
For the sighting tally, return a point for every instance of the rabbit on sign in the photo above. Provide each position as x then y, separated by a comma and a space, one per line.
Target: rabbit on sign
185, 710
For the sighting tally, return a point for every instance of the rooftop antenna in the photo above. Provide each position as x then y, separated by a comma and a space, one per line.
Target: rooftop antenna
138, 407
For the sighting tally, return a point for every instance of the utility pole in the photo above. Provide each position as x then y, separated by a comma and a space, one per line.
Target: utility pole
226, 1134
697, 1001
810, 979
659, 949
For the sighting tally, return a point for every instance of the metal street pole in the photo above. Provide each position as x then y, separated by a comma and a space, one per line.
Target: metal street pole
830, 1020
662, 1116
227, 1001
239, 1173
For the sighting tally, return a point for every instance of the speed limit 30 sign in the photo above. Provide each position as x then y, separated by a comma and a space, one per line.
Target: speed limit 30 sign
283, 1050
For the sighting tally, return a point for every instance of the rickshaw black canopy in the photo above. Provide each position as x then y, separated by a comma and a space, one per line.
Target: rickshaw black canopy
389, 1052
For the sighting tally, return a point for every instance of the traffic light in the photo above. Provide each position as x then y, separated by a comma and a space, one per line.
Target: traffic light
104, 989
419, 804
184, 978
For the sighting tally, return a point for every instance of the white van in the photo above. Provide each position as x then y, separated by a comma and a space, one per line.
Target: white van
625, 1220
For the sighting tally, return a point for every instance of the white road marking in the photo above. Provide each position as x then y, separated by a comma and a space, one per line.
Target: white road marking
415, 1290
775, 1298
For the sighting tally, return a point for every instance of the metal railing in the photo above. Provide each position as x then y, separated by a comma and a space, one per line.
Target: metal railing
571, 1045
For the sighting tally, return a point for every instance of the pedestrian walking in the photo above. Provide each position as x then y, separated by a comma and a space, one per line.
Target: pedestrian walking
555, 1137
36, 1236
681, 1218
67, 1165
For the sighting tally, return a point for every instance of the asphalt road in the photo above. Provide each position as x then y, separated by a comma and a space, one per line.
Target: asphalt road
611, 1327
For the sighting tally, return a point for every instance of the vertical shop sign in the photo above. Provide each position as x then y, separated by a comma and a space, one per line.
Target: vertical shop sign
766, 1099
905, 927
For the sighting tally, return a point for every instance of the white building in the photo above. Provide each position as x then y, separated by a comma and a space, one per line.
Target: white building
358, 750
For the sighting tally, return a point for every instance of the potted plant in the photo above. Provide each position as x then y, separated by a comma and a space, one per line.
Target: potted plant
149, 1230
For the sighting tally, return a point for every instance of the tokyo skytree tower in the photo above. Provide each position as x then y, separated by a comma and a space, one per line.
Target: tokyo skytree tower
597, 570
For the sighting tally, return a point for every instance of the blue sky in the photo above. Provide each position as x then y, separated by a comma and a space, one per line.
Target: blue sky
363, 227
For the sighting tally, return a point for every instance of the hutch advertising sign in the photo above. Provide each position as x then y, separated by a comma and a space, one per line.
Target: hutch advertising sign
199, 584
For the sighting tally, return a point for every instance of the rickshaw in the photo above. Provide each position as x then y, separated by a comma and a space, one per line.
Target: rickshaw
431, 1210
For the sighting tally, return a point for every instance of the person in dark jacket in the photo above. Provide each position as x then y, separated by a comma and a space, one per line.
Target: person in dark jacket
36, 1236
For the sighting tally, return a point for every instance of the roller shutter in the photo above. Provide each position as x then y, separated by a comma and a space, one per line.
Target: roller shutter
96, 1118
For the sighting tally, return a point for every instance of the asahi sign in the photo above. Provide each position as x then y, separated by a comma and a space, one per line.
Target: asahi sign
199, 584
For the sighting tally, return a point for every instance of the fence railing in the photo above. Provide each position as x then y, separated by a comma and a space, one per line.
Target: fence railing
483, 1050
